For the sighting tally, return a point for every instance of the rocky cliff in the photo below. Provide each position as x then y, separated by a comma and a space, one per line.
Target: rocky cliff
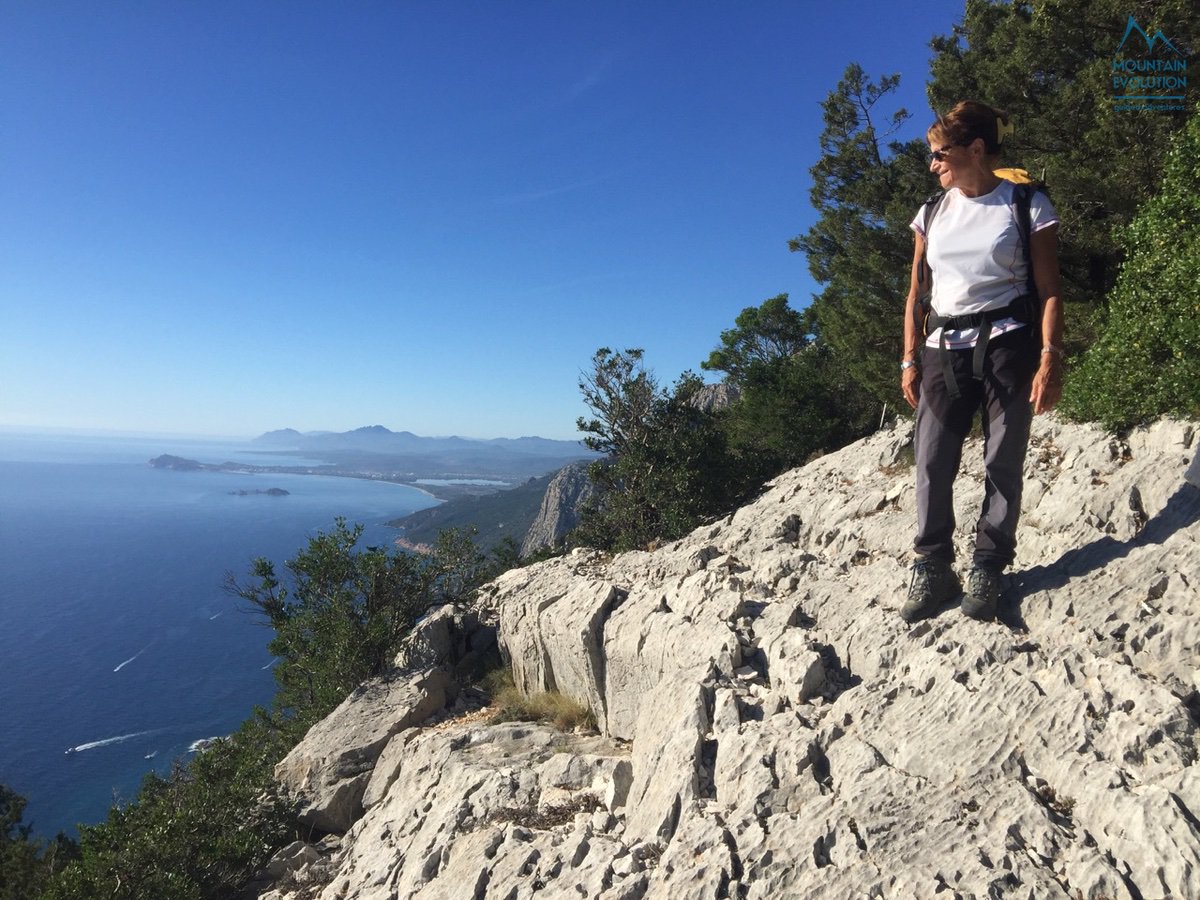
768, 725
567, 492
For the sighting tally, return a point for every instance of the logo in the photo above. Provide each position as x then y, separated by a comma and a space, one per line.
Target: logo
1148, 71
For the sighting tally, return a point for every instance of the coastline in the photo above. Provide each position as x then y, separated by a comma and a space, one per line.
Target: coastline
413, 547
138, 606
176, 463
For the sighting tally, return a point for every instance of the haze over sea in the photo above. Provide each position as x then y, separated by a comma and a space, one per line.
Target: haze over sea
117, 640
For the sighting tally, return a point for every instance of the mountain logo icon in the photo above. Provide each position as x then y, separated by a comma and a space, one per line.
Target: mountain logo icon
1158, 38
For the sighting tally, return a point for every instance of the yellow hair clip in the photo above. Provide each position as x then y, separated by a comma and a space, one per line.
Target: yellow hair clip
1003, 129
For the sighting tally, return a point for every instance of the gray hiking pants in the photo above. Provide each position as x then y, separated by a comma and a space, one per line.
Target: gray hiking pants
943, 425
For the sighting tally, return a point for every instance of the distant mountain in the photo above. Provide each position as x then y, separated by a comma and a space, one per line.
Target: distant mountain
378, 439
287, 437
404, 456
536, 446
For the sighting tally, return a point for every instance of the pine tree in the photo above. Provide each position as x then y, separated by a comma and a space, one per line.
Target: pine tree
866, 190
1147, 360
1049, 65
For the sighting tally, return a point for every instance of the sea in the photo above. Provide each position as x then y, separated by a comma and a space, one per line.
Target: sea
120, 650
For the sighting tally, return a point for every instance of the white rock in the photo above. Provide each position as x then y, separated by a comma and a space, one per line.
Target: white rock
291, 859
672, 726
328, 771
794, 668
1051, 754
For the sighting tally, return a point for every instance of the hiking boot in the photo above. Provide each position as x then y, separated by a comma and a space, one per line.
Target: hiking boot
983, 593
933, 584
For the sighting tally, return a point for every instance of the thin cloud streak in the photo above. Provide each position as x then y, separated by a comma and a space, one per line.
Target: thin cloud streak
591, 80
535, 196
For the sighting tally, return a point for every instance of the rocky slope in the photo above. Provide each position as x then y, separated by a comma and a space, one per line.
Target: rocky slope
770, 727
565, 496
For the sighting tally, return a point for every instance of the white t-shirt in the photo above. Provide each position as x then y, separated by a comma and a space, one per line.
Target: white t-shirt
976, 255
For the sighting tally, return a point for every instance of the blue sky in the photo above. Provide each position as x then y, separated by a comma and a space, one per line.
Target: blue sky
229, 217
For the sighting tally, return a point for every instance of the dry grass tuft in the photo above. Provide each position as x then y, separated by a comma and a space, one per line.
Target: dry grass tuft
510, 705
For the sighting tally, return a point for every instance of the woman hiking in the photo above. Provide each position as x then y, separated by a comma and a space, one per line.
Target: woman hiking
986, 336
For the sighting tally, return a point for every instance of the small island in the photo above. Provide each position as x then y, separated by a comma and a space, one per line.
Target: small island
452, 468
178, 463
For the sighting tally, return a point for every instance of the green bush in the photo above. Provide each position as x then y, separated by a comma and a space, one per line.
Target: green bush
204, 831
668, 465
793, 409
198, 834
1146, 362
796, 399
346, 611
26, 863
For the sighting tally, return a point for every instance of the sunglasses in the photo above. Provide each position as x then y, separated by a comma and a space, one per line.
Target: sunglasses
942, 152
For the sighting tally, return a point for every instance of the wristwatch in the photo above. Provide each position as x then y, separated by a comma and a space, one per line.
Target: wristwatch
908, 364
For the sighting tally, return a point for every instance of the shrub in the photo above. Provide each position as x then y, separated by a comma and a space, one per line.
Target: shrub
1146, 362
26, 863
207, 829
561, 711
347, 610
198, 834
668, 466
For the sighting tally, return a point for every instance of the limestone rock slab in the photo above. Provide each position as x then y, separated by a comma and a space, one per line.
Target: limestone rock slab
772, 728
328, 772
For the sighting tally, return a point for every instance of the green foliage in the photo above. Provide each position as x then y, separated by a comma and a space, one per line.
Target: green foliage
26, 863
199, 834
795, 399
794, 408
622, 397
866, 192
20, 858
504, 555
668, 463
1049, 65
1147, 360
342, 620
672, 464
335, 626
761, 335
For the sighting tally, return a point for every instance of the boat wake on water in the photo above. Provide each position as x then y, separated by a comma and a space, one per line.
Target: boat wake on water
203, 744
132, 658
119, 739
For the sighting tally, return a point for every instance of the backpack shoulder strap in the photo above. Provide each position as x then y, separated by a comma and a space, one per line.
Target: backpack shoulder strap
1022, 203
924, 272
929, 210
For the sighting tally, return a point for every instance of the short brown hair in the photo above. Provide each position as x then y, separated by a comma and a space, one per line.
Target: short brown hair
969, 120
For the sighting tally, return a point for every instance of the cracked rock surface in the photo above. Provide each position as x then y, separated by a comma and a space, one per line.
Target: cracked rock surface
770, 727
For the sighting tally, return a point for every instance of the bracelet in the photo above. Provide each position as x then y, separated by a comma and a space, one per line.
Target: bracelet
1050, 348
